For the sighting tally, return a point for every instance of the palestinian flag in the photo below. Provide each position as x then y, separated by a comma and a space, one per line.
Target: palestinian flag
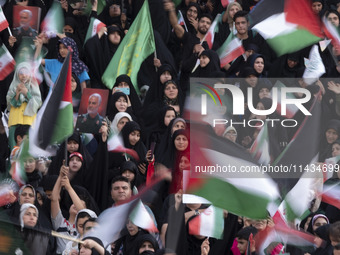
295, 156
272, 239
209, 223
210, 35
54, 121
331, 195
115, 143
53, 22
230, 50
285, 27
7, 62
11, 241
94, 27
218, 174
142, 218
309, 183
260, 147
109, 230
3, 21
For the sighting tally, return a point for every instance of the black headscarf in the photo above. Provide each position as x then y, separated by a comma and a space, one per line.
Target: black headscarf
76, 95
131, 166
98, 54
165, 142
169, 157
326, 148
111, 106
158, 129
146, 238
105, 14
139, 147
57, 160
212, 69
191, 28
113, 47
93, 250
134, 99
155, 91
251, 61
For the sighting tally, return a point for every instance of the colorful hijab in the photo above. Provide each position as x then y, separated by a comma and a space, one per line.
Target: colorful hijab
78, 66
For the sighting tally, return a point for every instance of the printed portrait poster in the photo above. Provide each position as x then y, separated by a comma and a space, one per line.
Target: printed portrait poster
26, 20
92, 110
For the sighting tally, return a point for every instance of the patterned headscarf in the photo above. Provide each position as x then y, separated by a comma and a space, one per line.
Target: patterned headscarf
78, 66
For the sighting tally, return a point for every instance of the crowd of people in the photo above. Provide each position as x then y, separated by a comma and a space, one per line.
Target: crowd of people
68, 191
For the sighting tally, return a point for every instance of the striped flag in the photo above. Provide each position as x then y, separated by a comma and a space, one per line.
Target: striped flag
3, 21
272, 239
209, 223
7, 62
331, 195
309, 184
181, 20
230, 50
284, 26
18, 168
228, 189
210, 35
332, 33
113, 220
109, 230
295, 153
94, 27
54, 121
260, 147
142, 218
115, 144
53, 22
8, 188
10, 241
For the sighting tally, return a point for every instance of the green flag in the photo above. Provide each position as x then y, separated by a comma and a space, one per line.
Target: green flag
136, 46
100, 7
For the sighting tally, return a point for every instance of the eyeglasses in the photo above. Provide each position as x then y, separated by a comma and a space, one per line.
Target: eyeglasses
29, 194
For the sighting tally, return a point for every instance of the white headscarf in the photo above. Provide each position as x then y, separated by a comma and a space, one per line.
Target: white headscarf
117, 118
24, 207
32, 86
